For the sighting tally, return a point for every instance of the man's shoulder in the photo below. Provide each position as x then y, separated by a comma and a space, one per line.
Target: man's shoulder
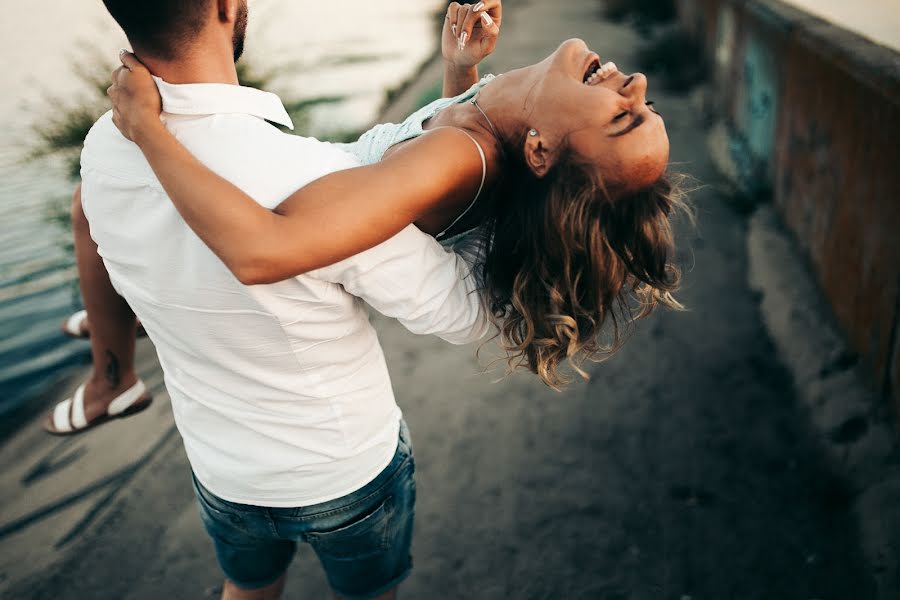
102, 133
106, 149
260, 159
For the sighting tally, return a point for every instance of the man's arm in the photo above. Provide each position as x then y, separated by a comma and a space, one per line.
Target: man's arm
413, 279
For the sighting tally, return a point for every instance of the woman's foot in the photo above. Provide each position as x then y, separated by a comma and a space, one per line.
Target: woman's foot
79, 326
96, 402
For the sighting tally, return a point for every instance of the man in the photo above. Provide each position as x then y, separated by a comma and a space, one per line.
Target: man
280, 392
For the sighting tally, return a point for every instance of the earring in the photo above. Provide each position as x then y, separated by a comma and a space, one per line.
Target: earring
533, 133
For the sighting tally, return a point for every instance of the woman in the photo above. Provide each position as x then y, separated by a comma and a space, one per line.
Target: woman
559, 167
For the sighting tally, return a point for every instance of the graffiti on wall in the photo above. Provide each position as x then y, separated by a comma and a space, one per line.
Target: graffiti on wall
759, 107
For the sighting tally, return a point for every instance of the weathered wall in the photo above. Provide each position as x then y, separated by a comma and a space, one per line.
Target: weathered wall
815, 115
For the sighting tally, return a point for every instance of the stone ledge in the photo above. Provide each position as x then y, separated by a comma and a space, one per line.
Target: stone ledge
867, 61
861, 441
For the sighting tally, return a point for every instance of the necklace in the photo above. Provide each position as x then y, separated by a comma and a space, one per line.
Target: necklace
488, 119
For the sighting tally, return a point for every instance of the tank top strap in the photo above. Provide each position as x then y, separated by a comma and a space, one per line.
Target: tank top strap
480, 187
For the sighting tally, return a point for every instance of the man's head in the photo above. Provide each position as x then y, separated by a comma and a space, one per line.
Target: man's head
165, 29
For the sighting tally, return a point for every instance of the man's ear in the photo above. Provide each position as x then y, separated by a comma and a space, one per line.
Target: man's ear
227, 10
538, 157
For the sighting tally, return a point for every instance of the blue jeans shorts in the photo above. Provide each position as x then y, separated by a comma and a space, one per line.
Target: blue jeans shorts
363, 539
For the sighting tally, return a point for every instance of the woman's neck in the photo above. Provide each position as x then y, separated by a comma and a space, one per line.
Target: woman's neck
505, 104
464, 115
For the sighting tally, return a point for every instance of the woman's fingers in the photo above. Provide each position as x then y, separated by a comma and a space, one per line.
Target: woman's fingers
130, 61
486, 15
117, 74
134, 96
452, 11
493, 8
468, 27
462, 36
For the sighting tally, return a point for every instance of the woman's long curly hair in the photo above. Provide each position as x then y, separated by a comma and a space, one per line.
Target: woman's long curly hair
568, 265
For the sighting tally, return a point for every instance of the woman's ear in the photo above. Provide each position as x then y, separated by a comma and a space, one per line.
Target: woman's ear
538, 157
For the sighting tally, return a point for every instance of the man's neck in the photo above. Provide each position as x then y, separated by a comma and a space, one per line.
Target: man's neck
198, 65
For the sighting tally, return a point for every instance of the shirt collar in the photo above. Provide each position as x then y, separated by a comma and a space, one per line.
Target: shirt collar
218, 98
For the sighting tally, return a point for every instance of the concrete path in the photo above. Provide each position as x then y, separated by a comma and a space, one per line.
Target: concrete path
684, 469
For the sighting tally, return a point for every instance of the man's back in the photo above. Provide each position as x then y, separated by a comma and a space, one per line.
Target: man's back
280, 392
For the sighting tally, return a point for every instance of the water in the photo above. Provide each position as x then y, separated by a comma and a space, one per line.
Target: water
352, 49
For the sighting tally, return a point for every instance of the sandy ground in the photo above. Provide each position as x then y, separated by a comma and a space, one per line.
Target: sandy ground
684, 469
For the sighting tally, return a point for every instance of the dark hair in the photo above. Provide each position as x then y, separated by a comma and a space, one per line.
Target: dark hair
159, 27
564, 258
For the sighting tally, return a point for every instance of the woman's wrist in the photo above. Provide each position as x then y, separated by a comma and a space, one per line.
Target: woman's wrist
458, 79
460, 71
148, 130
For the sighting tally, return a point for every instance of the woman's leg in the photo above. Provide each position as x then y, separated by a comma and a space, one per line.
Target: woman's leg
112, 322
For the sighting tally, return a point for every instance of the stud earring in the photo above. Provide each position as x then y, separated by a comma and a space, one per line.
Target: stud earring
533, 133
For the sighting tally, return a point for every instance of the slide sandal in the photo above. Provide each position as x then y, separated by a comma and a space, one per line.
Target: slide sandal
68, 416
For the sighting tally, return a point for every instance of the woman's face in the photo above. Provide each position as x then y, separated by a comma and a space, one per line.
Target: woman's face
607, 121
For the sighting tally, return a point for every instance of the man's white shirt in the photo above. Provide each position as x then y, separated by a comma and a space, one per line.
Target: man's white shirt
280, 392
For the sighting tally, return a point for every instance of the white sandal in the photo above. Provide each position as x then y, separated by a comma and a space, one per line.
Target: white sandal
74, 325
68, 416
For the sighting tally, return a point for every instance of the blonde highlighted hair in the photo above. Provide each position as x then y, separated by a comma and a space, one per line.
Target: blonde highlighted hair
569, 266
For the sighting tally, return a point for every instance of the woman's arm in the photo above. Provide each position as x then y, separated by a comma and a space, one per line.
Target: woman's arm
469, 36
327, 221
457, 81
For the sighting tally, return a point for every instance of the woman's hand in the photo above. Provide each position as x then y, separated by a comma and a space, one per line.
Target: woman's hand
135, 98
471, 32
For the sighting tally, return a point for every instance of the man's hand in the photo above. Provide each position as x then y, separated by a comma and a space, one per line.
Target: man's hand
471, 32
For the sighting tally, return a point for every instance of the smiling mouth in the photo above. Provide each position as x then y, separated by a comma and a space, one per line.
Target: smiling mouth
597, 72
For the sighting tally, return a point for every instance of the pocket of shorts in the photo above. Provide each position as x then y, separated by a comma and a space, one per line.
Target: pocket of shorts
363, 537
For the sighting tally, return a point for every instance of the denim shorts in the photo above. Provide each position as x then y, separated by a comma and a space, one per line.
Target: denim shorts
363, 539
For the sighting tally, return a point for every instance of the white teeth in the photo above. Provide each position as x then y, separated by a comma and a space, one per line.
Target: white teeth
607, 70
604, 72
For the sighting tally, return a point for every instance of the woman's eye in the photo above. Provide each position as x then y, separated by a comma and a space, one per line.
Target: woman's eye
650, 106
620, 116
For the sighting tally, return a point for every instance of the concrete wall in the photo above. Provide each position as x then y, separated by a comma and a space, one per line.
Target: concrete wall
814, 112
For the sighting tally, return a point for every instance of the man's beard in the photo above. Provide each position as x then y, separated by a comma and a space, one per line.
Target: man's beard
240, 30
